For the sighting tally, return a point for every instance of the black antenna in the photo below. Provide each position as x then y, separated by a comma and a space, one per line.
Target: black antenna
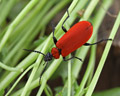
34, 51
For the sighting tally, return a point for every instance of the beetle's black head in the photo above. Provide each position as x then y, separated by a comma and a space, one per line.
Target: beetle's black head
48, 57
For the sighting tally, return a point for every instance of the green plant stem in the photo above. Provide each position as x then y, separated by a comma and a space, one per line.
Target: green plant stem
48, 91
16, 21
80, 5
7, 8
103, 58
90, 76
88, 70
90, 9
75, 68
19, 46
73, 4
69, 77
47, 74
77, 65
37, 10
84, 49
21, 76
96, 22
29, 30
28, 60
58, 26
9, 68
33, 85
25, 90
23, 64
34, 69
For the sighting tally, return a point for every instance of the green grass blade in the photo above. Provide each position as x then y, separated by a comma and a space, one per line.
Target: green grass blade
69, 77
16, 21
9, 68
104, 56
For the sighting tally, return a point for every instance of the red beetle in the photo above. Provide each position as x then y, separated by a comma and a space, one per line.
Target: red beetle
74, 38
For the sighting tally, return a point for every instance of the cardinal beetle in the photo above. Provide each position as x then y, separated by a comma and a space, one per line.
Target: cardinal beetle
74, 38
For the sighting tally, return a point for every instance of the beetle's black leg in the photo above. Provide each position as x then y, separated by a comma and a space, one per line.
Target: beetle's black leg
88, 44
63, 28
54, 38
72, 58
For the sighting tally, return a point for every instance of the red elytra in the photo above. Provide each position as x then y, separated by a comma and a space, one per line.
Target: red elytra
74, 38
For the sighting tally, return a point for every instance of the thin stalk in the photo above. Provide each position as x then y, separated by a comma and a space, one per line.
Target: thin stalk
25, 90
34, 70
37, 10
18, 46
5, 82
37, 64
96, 23
47, 74
90, 76
33, 85
69, 77
103, 58
88, 70
23, 64
58, 26
48, 91
29, 30
98, 17
72, 6
76, 67
74, 14
21, 76
8, 68
7, 8
90, 9
12, 26
81, 4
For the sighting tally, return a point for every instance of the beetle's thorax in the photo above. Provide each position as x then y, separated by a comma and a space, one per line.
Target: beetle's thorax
55, 52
